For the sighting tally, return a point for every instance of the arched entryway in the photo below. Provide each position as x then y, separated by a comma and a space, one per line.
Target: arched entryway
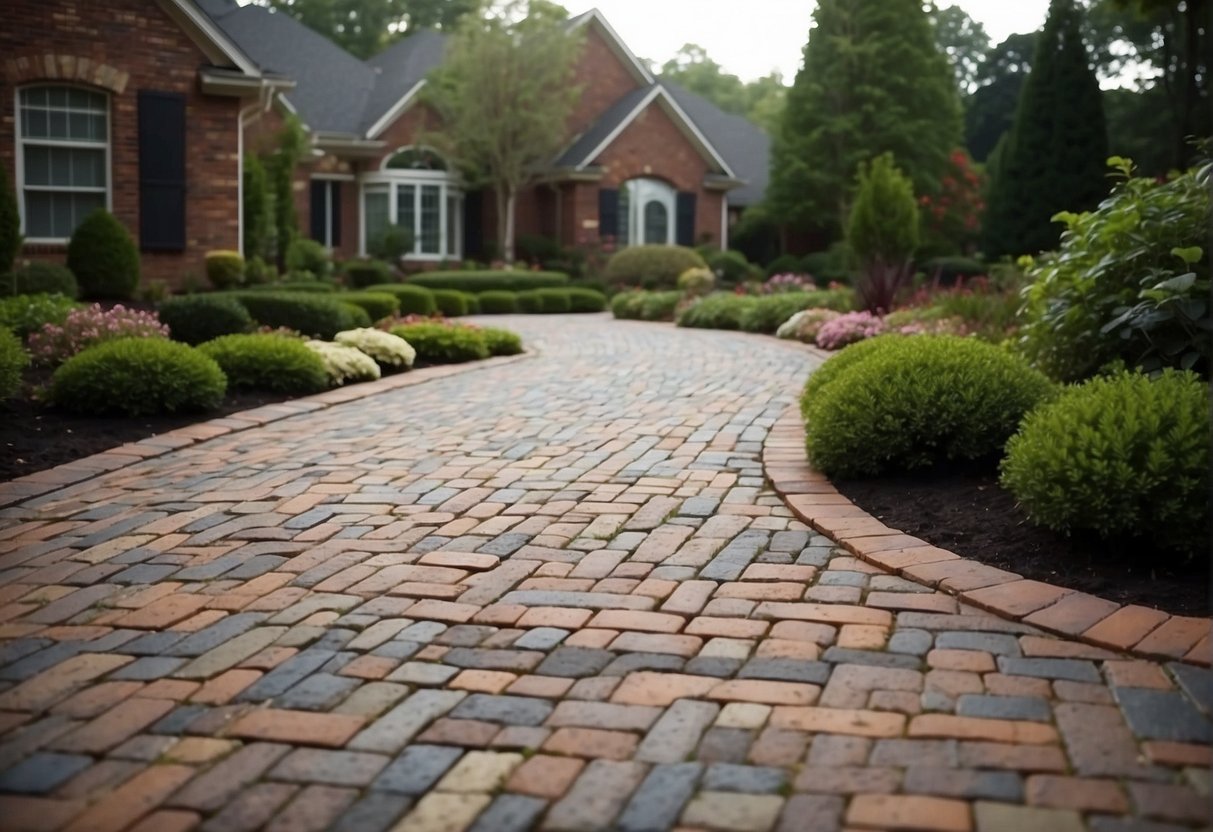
646, 212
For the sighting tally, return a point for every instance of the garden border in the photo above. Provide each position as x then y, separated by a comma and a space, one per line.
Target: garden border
1134, 629
30, 486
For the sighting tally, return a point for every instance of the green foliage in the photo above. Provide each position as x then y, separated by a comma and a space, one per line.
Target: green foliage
761, 101
501, 341
319, 317
473, 303
872, 81
731, 267
645, 306
451, 302
258, 272
414, 300
584, 300
529, 302
280, 167
377, 305
138, 377
37, 277
546, 301
315, 287
225, 269
501, 281
268, 362
1130, 282
963, 40
103, 257
362, 274
304, 255
391, 244
1124, 457
495, 302
884, 216
833, 264
365, 27
24, 314
785, 264
990, 110
198, 318
952, 270
697, 282
258, 217
10, 223
766, 313
439, 343
358, 316
651, 266
718, 311
907, 403
12, 361
1053, 159
537, 248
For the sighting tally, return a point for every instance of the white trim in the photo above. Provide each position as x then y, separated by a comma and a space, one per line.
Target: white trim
216, 37
639, 70
702, 139
394, 111
449, 184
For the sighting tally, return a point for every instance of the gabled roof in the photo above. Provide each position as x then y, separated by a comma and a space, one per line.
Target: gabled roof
400, 72
634, 65
214, 43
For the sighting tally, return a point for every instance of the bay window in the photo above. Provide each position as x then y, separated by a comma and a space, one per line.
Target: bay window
413, 189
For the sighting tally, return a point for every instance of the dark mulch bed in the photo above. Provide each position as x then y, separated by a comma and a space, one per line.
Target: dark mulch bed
969, 514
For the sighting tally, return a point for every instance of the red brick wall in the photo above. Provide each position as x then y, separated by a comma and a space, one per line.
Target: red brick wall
120, 47
603, 79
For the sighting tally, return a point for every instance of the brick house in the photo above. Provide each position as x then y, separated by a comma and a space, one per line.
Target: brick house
148, 107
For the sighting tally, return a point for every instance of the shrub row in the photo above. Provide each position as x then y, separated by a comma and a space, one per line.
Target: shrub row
759, 313
36, 277
313, 315
437, 342
476, 282
645, 306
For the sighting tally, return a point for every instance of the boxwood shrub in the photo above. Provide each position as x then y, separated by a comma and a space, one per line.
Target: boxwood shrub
651, 266
24, 314
910, 403
225, 269
414, 300
377, 305
103, 257
37, 277
451, 302
440, 343
197, 318
473, 303
529, 302
586, 300
554, 300
319, 317
12, 361
477, 282
1124, 457
718, 311
645, 306
268, 362
364, 274
138, 377
320, 287
497, 302
501, 341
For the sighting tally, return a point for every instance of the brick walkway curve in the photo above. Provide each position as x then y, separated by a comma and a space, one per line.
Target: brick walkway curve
554, 594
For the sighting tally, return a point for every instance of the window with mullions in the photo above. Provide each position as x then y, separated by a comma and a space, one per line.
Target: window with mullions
414, 189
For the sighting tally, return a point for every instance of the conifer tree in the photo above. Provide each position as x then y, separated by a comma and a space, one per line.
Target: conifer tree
1054, 157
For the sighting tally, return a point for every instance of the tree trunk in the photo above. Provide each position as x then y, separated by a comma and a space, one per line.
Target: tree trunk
507, 242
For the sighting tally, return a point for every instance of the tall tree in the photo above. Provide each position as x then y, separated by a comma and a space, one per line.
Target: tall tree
990, 109
503, 95
761, 101
1054, 159
364, 27
963, 40
872, 81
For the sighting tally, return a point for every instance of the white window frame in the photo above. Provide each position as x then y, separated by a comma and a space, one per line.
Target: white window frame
449, 185
640, 192
21, 141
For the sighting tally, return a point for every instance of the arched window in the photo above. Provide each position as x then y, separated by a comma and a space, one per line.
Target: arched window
656, 221
415, 189
645, 208
62, 158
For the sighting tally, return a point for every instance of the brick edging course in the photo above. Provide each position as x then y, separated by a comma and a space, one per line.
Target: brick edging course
77, 471
1135, 629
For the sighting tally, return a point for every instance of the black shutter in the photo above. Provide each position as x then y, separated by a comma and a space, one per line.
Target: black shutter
161, 171
684, 230
318, 194
335, 219
608, 212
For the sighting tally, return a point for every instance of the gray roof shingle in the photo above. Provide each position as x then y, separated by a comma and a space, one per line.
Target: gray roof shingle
603, 127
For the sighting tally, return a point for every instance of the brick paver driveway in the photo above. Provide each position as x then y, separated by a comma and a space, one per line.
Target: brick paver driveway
553, 594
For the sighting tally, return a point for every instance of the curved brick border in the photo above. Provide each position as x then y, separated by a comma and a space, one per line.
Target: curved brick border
1134, 629
77, 471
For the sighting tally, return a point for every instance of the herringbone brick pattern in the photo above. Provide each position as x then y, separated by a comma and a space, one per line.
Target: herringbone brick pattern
555, 594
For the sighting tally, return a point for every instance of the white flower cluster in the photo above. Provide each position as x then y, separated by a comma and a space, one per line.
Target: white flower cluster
344, 363
387, 349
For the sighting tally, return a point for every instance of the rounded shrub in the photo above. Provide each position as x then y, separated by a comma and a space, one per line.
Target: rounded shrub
313, 315
912, 403
473, 303
37, 277
343, 363
718, 311
626, 305
225, 269
24, 314
501, 341
103, 257
388, 350
367, 274
267, 362
451, 302
659, 306
497, 302
377, 305
767, 313
1124, 457
652, 266
197, 318
529, 302
12, 361
440, 343
304, 255
785, 264
554, 300
697, 282
414, 300
138, 377
357, 314
585, 300
257, 271
732, 268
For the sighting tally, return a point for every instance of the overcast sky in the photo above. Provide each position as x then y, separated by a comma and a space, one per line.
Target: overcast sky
749, 38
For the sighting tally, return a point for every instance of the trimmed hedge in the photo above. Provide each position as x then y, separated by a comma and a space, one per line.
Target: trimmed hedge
198, 318
319, 317
377, 305
439, 343
718, 311
24, 314
651, 266
414, 300
138, 377
473, 303
586, 300
530, 303
366, 274
452, 303
766, 313
910, 403
1124, 457
496, 302
501, 341
37, 278
321, 287
12, 361
645, 306
103, 257
268, 362
477, 282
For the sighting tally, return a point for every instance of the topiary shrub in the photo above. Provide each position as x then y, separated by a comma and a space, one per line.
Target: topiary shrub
268, 362
225, 269
585, 300
12, 361
37, 277
1124, 457
343, 363
86, 327
389, 351
304, 255
496, 302
502, 281
501, 341
529, 302
718, 311
837, 366
440, 343
194, 319
452, 303
313, 315
767, 313
414, 300
377, 305
138, 377
24, 314
367, 274
651, 267
103, 257
916, 402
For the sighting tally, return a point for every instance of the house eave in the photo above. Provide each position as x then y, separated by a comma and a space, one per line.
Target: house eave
221, 82
348, 145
